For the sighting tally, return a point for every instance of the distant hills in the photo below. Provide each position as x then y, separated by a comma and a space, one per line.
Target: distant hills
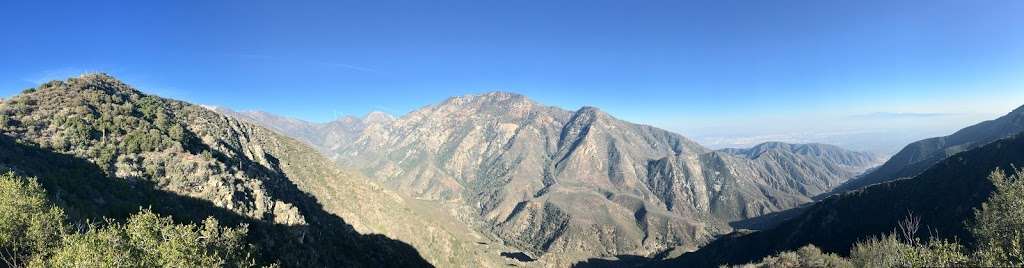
941, 180
578, 183
919, 156
326, 137
485, 180
943, 196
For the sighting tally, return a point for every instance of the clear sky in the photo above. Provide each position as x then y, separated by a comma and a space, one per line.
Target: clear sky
721, 71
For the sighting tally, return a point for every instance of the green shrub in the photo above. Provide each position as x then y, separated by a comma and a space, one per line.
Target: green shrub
890, 251
34, 233
79, 131
806, 256
29, 227
150, 106
999, 224
148, 240
139, 141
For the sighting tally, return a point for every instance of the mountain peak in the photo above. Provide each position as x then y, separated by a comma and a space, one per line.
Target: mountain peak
497, 104
502, 94
378, 117
591, 112
99, 79
785, 145
492, 97
771, 144
589, 109
91, 81
96, 76
587, 117
502, 97
347, 119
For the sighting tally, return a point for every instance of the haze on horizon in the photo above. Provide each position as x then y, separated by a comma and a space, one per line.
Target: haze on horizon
867, 75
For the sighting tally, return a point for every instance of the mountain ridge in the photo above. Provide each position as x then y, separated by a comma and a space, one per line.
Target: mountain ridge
525, 169
919, 156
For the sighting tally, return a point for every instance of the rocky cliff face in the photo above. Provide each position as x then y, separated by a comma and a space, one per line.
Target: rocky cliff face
583, 183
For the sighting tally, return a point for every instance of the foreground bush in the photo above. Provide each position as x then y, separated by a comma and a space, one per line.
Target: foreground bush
889, 251
29, 226
807, 256
999, 224
34, 233
148, 240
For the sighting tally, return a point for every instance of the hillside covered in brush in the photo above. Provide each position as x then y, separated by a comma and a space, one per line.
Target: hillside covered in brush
102, 149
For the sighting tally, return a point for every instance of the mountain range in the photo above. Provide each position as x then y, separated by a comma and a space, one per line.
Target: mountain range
940, 180
485, 180
943, 197
576, 183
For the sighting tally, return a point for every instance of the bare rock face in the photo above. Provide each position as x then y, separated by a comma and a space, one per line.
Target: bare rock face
583, 183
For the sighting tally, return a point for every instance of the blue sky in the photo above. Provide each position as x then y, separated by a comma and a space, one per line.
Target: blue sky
720, 71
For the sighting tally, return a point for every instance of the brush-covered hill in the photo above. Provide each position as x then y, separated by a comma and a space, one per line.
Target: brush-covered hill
101, 148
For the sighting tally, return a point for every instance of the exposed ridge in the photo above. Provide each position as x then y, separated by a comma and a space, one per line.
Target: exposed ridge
493, 97
591, 111
376, 117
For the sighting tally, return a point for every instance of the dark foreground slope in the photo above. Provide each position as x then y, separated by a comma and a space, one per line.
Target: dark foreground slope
103, 149
921, 155
943, 196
